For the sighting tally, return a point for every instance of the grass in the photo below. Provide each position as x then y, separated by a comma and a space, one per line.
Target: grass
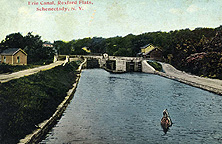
28, 101
6, 68
157, 66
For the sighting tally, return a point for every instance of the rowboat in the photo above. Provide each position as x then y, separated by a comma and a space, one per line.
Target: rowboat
166, 121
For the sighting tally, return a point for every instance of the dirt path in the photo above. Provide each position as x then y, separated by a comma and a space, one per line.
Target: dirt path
213, 85
15, 75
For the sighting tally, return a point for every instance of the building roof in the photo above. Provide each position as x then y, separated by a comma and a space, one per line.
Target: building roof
146, 46
152, 49
86, 49
12, 51
47, 44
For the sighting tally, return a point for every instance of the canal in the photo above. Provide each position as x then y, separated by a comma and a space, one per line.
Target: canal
127, 108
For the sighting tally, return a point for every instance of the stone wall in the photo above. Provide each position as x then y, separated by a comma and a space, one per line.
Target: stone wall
146, 68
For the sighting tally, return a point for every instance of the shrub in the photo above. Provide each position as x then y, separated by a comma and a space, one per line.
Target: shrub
157, 66
6, 68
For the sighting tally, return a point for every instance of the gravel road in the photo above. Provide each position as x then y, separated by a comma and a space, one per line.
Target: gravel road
15, 75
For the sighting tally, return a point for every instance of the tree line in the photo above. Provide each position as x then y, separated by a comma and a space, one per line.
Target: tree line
202, 45
196, 51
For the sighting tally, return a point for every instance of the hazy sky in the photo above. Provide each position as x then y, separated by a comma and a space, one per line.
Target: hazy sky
106, 18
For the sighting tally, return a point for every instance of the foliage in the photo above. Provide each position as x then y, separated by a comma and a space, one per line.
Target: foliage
207, 63
30, 100
178, 46
14, 40
72, 47
182, 41
211, 65
157, 66
31, 44
6, 68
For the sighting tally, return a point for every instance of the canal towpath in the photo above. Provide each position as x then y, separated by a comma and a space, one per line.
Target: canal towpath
15, 75
213, 85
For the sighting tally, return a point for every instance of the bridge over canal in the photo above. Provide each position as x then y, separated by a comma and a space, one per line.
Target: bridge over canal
114, 64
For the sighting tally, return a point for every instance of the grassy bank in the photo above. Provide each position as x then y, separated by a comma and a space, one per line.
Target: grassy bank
157, 66
28, 101
6, 68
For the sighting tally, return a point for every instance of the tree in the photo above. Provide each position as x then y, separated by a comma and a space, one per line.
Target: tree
34, 48
63, 48
14, 40
31, 44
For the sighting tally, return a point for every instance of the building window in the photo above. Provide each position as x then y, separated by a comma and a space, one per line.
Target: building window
18, 59
4, 59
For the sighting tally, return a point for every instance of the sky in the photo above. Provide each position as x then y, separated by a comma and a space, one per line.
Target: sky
105, 18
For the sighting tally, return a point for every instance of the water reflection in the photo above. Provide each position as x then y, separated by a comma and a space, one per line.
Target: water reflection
127, 108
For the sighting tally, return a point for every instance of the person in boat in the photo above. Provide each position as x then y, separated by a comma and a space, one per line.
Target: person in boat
166, 121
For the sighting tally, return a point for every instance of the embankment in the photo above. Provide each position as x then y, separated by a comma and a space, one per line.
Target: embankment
45, 126
212, 85
28, 101
194, 82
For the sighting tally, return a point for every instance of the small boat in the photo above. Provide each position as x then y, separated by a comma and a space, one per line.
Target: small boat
166, 121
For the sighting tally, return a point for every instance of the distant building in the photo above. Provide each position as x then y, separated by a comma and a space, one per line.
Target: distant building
86, 49
47, 44
14, 56
151, 52
195, 57
106, 56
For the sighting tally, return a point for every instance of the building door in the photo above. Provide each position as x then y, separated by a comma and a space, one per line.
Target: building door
4, 59
18, 59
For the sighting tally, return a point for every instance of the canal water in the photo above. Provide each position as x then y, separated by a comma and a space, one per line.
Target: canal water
127, 108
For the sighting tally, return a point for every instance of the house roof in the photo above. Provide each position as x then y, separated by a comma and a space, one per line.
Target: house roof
146, 46
86, 49
47, 44
12, 51
152, 49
